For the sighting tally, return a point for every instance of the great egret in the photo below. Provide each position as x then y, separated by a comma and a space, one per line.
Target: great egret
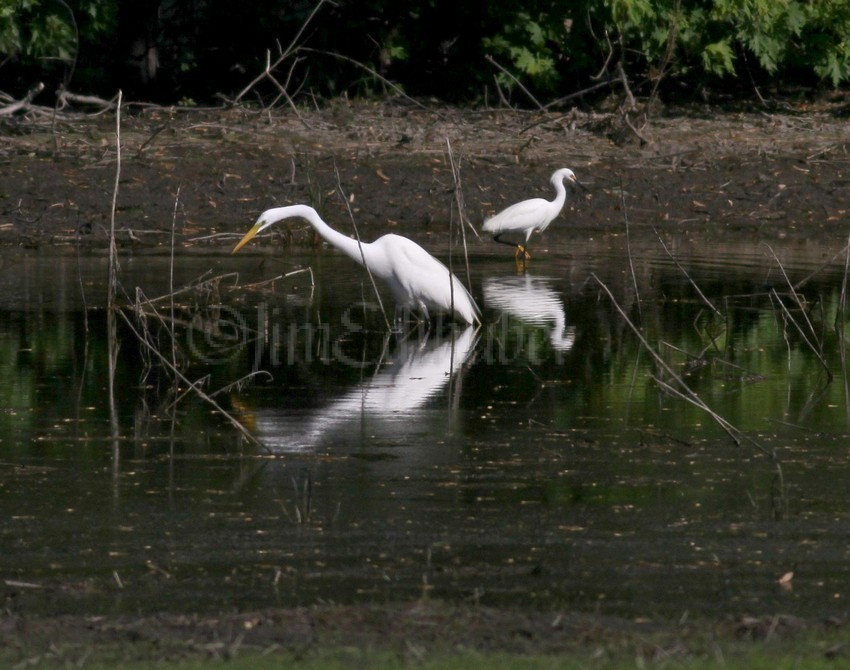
530, 215
417, 280
400, 402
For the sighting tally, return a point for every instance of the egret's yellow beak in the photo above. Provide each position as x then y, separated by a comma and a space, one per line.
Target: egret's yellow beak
248, 237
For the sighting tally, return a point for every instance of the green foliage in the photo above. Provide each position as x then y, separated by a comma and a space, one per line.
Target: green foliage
782, 36
718, 58
44, 36
428, 47
46, 28
527, 42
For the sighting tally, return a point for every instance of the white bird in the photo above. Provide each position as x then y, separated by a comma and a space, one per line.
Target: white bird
417, 280
530, 215
534, 301
397, 404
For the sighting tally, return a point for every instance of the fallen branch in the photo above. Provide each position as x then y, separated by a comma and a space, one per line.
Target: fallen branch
64, 98
23, 103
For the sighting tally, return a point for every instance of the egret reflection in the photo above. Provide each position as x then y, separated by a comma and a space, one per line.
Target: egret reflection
393, 402
531, 300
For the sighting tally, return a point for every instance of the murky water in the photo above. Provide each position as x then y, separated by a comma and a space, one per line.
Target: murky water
541, 460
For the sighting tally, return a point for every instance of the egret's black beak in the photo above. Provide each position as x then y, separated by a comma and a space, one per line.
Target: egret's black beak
580, 185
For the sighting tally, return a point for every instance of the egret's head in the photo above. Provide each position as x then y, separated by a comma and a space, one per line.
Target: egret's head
263, 222
569, 175
276, 214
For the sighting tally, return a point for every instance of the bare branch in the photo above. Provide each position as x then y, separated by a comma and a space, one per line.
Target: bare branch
531, 97
24, 102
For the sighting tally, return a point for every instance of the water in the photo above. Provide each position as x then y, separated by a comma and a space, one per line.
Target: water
533, 462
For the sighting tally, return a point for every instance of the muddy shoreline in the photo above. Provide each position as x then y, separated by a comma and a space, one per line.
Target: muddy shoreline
408, 632
206, 176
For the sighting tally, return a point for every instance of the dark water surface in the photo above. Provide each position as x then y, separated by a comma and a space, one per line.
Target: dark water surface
532, 462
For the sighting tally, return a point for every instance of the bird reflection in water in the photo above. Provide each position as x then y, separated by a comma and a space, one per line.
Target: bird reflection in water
531, 300
392, 402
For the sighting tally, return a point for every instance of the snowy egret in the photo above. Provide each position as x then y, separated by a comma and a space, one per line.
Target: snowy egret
530, 215
417, 280
533, 301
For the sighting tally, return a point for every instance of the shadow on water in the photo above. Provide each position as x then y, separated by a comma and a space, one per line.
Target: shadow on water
534, 461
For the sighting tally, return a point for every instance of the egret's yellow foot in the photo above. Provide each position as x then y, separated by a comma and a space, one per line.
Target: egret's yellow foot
520, 265
521, 250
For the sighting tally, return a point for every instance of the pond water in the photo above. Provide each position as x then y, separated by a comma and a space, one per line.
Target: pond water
546, 459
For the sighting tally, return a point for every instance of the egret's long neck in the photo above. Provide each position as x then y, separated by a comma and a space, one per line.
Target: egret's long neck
336, 239
560, 195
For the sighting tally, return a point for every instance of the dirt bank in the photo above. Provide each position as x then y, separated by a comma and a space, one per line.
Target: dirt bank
210, 173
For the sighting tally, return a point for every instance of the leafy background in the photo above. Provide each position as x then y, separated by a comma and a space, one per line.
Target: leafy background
193, 51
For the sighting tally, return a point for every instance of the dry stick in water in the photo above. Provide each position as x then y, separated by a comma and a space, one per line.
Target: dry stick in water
687, 393
171, 279
239, 384
112, 335
634, 282
360, 246
461, 208
113, 251
629, 248
839, 327
828, 263
816, 346
685, 272
811, 345
245, 432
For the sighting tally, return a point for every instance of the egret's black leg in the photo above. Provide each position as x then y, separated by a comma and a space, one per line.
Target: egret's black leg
520, 249
497, 238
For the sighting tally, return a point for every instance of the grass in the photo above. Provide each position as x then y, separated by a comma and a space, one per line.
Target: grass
756, 658
694, 648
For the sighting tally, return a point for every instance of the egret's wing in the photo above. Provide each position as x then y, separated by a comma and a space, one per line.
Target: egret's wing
422, 277
521, 216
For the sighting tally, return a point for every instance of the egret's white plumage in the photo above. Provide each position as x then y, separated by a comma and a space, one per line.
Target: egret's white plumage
531, 215
534, 301
417, 280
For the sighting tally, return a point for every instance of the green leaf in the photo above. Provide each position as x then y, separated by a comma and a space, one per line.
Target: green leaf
718, 58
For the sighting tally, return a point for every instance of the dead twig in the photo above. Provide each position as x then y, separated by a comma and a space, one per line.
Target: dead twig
360, 245
815, 344
629, 249
684, 391
461, 208
816, 350
685, 272
840, 321
193, 385
375, 74
286, 53
528, 93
